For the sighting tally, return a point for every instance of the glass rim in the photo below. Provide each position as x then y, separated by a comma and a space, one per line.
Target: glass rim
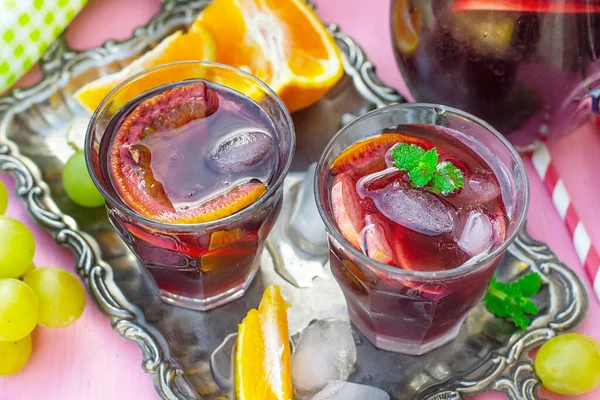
130, 212
469, 266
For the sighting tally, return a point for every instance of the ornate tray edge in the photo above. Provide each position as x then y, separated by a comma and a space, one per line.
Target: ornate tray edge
514, 374
56, 65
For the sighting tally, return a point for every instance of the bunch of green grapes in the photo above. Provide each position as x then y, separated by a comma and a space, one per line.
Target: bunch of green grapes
50, 297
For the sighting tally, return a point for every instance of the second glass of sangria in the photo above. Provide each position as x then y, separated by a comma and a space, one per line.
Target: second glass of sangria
191, 158
420, 203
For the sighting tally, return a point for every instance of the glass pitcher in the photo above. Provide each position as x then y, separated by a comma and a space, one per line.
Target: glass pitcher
528, 67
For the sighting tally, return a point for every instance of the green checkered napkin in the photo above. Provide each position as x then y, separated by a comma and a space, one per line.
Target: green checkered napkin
27, 28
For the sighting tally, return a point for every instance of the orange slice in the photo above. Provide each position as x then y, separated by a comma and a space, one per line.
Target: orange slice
160, 117
238, 251
369, 153
221, 206
263, 354
224, 237
196, 44
406, 26
282, 42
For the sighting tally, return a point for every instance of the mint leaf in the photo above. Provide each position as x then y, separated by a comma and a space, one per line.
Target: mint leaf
406, 157
423, 168
447, 178
419, 176
513, 300
430, 159
529, 284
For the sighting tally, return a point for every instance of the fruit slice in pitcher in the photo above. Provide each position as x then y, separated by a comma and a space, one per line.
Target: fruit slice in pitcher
545, 6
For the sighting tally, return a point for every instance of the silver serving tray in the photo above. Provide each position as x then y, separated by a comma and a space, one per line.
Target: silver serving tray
186, 352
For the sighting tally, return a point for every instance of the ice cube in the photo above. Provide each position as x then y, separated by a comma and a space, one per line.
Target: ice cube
479, 189
415, 209
324, 352
306, 227
240, 151
340, 390
477, 235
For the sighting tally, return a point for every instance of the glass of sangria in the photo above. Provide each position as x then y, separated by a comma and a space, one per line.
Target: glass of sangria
527, 67
420, 203
191, 158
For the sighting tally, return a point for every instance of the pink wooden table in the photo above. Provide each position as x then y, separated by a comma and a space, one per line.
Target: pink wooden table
88, 360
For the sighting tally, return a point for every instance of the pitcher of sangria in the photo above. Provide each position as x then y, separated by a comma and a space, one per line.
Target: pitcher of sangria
528, 67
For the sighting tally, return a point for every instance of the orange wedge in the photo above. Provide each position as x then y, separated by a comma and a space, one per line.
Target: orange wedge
196, 44
282, 42
263, 354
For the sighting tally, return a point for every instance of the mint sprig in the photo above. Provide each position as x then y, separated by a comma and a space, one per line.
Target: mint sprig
424, 171
513, 300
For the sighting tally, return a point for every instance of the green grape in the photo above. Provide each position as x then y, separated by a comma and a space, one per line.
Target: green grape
17, 247
61, 295
19, 310
77, 182
14, 355
569, 364
3, 198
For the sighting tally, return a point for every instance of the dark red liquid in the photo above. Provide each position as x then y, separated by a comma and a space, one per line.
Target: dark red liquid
381, 215
189, 167
518, 64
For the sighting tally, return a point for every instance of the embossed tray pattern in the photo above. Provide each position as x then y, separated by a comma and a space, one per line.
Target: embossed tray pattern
177, 344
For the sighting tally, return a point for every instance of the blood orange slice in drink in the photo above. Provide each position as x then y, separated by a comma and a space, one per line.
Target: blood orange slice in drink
130, 159
369, 155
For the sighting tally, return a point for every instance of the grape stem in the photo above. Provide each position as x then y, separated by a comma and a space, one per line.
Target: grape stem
70, 142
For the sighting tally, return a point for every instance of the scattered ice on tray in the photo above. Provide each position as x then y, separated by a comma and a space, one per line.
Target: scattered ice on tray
324, 352
340, 390
306, 227
290, 254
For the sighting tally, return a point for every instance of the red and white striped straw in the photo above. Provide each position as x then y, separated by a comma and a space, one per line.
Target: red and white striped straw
587, 254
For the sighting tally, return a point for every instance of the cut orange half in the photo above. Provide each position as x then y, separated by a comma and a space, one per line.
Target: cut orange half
281, 42
263, 354
196, 44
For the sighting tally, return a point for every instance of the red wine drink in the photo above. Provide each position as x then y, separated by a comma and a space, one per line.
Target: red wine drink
192, 171
419, 214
